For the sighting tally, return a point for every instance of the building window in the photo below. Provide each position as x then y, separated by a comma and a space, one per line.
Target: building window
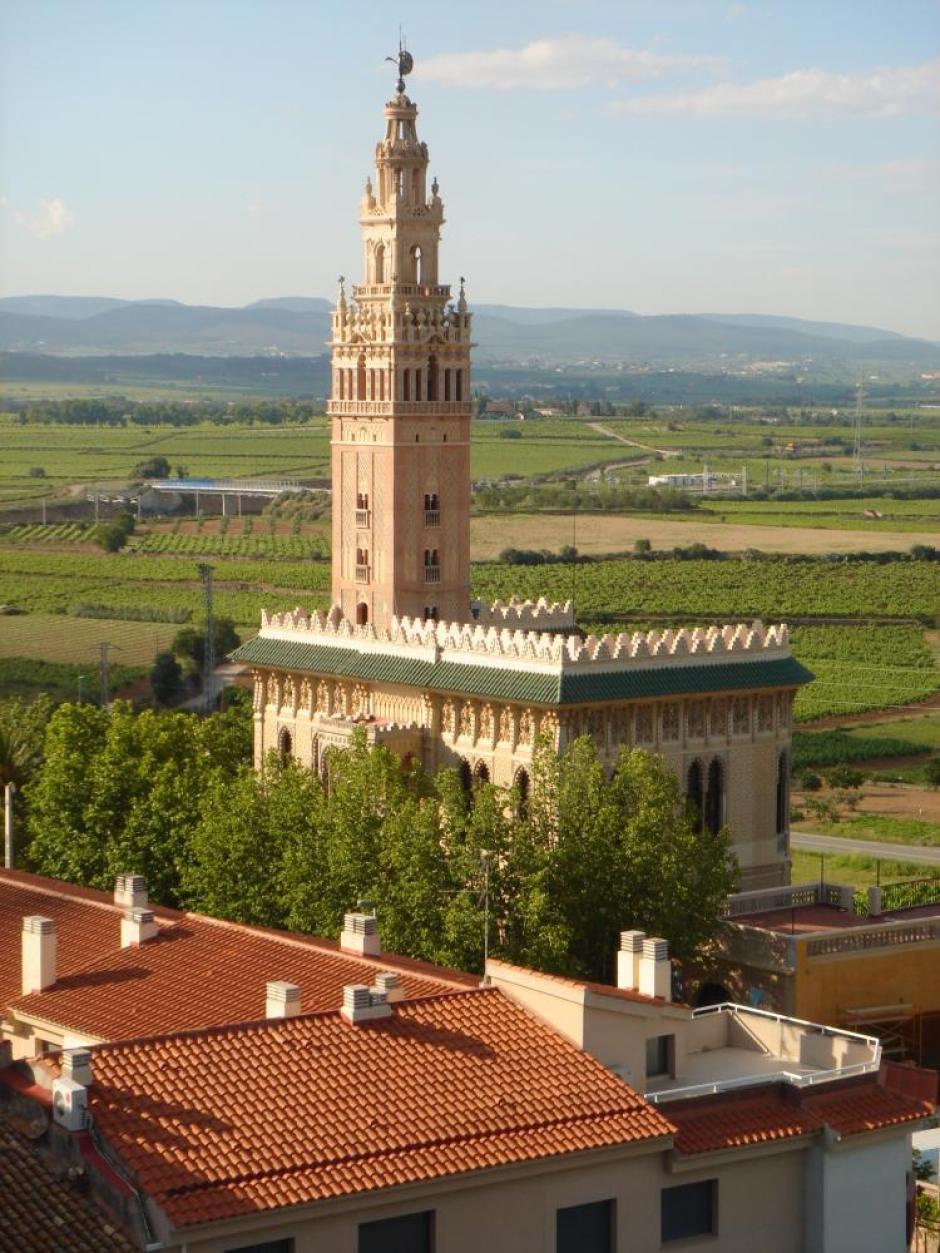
430, 613
267, 1246
412, 1233
783, 794
585, 1228
660, 1056
689, 1210
362, 614
695, 794
715, 797
285, 746
523, 788
432, 569
432, 509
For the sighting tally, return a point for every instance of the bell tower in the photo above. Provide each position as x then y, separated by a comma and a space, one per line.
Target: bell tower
400, 403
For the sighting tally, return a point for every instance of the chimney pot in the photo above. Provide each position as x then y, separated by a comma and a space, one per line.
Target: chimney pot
628, 959
655, 969
76, 1065
390, 985
360, 1003
130, 890
38, 953
361, 935
282, 1000
137, 927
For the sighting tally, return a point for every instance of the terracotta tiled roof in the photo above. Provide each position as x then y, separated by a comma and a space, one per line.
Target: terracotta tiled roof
780, 1112
233, 1120
42, 1214
87, 923
202, 972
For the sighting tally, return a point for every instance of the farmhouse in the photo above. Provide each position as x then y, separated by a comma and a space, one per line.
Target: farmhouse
405, 654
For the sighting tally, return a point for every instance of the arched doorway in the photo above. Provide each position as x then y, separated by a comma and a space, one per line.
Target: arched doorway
481, 773
285, 745
362, 613
715, 797
712, 994
695, 794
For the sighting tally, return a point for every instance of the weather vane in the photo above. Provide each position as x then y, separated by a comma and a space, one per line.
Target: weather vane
405, 61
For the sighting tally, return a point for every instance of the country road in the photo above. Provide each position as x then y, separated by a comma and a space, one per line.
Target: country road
810, 842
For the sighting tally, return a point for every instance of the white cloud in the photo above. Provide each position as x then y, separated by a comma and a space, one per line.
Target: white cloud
804, 94
52, 218
915, 170
547, 64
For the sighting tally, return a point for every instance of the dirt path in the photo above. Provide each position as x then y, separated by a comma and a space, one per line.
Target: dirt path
622, 439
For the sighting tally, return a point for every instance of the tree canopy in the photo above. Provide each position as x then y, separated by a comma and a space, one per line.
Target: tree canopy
174, 797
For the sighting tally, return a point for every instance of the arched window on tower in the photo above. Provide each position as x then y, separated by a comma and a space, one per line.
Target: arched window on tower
361, 379
715, 797
417, 265
380, 263
458, 382
432, 377
447, 384
695, 794
362, 613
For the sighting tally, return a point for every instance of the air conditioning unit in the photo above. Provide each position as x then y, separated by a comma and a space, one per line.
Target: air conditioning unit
69, 1104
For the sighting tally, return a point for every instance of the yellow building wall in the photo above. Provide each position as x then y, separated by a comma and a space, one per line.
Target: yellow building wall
907, 974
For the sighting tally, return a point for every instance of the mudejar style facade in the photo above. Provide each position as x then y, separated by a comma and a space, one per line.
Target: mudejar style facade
405, 654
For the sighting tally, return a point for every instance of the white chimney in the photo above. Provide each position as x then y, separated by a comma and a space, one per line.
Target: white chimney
130, 890
76, 1065
361, 935
361, 1004
390, 985
69, 1103
137, 927
655, 969
282, 1000
628, 959
39, 953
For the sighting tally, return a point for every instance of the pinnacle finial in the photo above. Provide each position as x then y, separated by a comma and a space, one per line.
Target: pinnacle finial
462, 301
341, 299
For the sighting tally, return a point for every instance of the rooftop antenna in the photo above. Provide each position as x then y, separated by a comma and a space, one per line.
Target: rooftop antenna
404, 60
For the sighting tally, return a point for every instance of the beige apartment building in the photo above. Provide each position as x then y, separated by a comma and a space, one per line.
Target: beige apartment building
257, 1090
406, 655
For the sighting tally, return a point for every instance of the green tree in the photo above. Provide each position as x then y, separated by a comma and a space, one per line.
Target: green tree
22, 729
166, 678
189, 643
932, 772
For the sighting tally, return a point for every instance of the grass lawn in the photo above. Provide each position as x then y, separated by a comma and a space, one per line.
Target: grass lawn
75, 642
882, 827
859, 872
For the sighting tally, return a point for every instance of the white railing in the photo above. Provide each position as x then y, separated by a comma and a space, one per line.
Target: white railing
362, 574
762, 900
798, 1079
362, 517
882, 935
432, 517
432, 574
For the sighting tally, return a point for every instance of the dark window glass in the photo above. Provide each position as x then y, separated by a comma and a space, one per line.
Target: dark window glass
585, 1228
412, 1233
659, 1056
688, 1211
267, 1246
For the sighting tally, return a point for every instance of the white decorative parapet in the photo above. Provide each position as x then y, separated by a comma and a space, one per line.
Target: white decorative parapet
477, 644
525, 613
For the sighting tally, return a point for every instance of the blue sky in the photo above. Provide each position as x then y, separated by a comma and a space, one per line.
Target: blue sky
665, 157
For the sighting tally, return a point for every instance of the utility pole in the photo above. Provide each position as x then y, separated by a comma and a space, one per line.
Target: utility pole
8, 825
208, 655
81, 680
103, 674
44, 511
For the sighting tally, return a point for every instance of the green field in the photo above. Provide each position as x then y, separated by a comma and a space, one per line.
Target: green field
859, 872
50, 637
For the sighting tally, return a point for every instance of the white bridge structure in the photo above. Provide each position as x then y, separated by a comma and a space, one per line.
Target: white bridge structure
228, 489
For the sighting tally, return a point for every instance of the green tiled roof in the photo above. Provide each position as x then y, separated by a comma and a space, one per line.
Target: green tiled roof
567, 688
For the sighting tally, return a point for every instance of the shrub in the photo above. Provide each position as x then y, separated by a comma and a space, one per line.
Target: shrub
810, 781
843, 776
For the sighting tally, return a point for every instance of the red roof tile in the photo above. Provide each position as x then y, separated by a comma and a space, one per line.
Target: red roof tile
734, 1119
87, 923
40, 1213
233, 1120
202, 972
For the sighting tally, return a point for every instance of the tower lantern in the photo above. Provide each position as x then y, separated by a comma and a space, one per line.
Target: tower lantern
400, 402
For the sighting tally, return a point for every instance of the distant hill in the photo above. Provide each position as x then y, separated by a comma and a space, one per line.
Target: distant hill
507, 335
